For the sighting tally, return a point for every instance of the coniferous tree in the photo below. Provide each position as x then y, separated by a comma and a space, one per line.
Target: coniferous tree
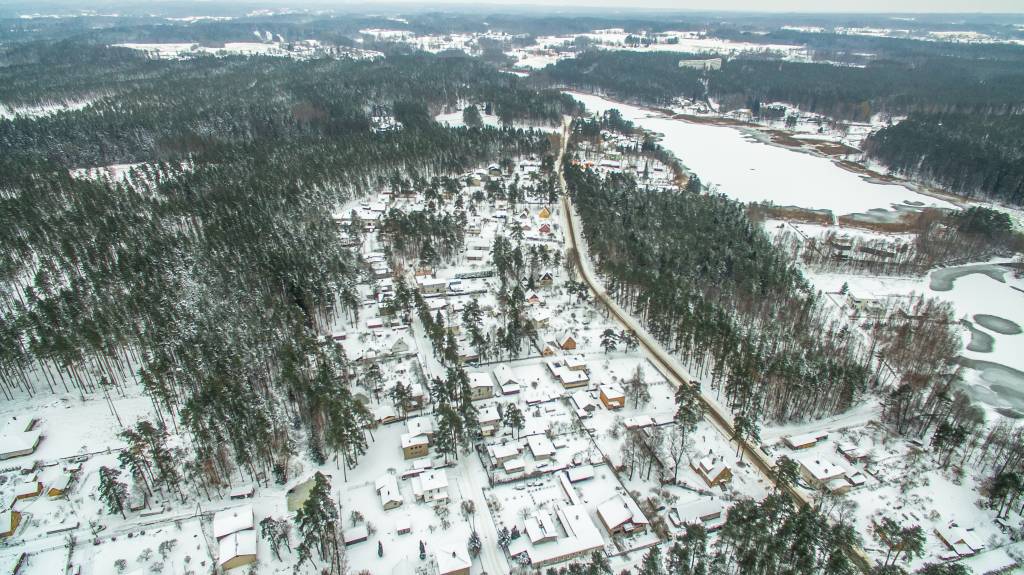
113, 492
317, 522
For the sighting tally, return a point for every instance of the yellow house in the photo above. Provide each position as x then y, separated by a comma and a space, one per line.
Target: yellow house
612, 396
9, 521
414, 446
713, 473
59, 487
544, 213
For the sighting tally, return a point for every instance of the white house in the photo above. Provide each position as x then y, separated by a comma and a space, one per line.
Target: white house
709, 512
18, 443
431, 485
506, 379
489, 418
387, 489
540, 447
582, 537
821, 472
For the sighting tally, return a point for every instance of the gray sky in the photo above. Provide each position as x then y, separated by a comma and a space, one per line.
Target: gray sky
869, 6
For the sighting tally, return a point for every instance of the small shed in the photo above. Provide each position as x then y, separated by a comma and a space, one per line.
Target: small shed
354, 535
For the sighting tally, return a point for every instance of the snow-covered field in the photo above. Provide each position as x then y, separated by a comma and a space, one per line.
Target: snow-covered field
750, 171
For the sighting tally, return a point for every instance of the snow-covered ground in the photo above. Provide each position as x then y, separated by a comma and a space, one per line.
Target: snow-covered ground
750, 171
899, 482
454, 119
299, 50
41, 110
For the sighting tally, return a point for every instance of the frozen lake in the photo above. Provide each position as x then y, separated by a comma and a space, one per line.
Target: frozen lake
750, 171
989, 302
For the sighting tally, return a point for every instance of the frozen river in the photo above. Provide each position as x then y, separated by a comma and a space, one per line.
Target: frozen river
751, 171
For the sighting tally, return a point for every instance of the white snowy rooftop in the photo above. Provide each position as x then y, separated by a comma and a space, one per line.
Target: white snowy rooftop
477, 380
540, 446
619, 510
14, 442
503, 374
419, 425
504, 450
451, 560
581, 472
821, 468
232, 520
612, 391
387, 487
410, 440
541, 527
433, 479
237, 545
581, 536
699, 511
488, 413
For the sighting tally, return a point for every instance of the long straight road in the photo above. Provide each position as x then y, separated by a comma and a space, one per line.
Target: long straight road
669, 367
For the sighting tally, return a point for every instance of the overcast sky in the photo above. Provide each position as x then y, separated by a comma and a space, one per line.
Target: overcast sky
920, 6
923, 6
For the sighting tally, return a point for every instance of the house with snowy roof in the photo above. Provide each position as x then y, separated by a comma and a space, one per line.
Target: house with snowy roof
540, 447
235, 532
540, 528
237, 549
712, 471
18, 443
431, 485
480, 386
706, 511
421, 425
506, 379
822, 473
387, 489
804, 440
452, 560
489, 418
568, 377
577, 536
414, 446
9, 521
959, 540
503, 452
621, 515
567, 341
612, 396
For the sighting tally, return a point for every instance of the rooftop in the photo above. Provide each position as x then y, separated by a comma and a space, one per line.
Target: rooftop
233, 520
